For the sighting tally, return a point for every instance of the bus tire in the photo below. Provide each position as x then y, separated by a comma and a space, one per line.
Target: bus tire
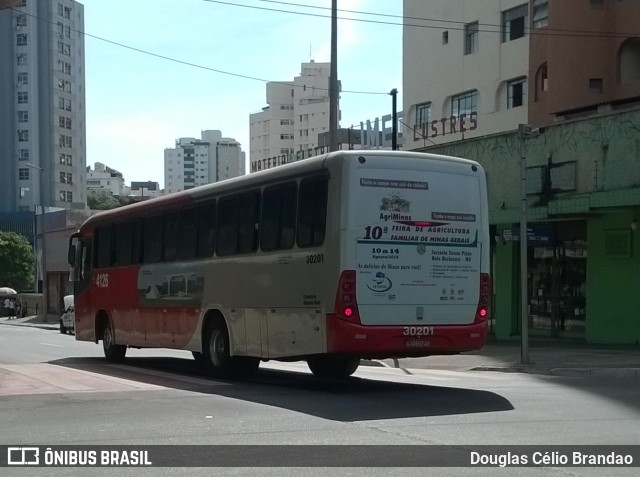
112, 351
215, 351
335, 367
217, 358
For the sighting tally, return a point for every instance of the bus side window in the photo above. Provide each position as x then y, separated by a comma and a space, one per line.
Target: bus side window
170, 236
278, 217
248, 223
136, 255
312, 211
187, 246
153, 239
123, 243
104, 254
206, 229
227, 227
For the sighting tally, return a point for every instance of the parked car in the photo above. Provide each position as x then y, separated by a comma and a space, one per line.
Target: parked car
68, 318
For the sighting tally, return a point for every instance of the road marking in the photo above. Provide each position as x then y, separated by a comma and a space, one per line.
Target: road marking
45, 378
51, 344
177, 377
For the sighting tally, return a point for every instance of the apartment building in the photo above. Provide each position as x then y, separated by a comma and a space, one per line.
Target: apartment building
195, 162
568, 72
297, 112
104, 180
42, 106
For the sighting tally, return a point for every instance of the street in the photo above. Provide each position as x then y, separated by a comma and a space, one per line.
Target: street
57, 391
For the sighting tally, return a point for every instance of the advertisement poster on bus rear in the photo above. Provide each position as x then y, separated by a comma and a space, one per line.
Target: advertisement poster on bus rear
418, 240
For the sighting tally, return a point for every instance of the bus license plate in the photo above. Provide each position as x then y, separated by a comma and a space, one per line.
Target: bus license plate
417, 343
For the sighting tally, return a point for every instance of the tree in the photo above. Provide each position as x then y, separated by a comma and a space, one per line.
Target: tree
16, 261
102, 202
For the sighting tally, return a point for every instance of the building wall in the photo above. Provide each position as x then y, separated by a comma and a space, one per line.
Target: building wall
104, 180
296, 114
435, 70
605, 151
271, 130
613, 278
573, 60
195, 162
43, 90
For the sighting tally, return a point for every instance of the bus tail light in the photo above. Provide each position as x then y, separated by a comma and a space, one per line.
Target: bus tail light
346, 304
484, 304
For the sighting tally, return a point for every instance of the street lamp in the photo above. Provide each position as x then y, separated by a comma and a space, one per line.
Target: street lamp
43, 244
524, 132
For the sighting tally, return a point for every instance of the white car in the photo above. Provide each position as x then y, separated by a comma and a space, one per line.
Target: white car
68, 318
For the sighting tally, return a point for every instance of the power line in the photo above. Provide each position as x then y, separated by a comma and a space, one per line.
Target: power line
187, 63
546, 31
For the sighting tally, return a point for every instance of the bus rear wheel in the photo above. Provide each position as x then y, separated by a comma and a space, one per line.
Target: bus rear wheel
335, 367
112, 351
217, 358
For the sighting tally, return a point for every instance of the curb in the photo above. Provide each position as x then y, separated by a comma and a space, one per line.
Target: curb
566, 372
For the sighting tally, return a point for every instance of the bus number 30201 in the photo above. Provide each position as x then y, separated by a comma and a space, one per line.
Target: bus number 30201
417, 331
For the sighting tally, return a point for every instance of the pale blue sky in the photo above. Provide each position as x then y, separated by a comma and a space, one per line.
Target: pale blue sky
138, 104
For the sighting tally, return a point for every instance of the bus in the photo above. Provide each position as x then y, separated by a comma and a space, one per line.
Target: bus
345, 256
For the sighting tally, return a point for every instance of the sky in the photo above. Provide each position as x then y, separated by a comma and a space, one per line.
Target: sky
150, 69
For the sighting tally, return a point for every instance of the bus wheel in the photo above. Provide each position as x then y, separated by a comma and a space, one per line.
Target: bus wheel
217, 358
333, 366
216, 351
63, 330
112, 351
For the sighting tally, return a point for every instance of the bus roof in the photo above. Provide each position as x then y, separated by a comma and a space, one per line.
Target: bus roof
310, 165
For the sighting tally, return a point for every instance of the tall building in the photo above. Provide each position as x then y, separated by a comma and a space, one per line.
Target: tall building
296, 113
42, 106
195, 162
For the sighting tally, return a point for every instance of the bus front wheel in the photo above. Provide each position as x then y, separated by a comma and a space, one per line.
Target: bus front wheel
112, 351
335, 367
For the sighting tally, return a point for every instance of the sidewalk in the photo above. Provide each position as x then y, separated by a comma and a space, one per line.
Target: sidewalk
547, 356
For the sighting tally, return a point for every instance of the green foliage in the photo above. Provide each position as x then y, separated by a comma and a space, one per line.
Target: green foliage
102, 202
16, 261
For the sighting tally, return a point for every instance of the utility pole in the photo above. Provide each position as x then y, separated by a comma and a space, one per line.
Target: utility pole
333, 80
394, 119
43, 242
524, 132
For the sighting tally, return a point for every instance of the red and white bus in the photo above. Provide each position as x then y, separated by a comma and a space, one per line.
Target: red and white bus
348, 255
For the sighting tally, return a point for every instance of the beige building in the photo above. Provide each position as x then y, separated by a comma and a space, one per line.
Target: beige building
296, 113
479, 68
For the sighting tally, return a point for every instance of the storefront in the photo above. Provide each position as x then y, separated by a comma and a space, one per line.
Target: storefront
557, 277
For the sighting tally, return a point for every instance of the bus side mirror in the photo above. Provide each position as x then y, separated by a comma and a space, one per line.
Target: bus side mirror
71, 255
71, 252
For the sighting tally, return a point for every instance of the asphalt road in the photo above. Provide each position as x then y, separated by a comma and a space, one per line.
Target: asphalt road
57, 391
